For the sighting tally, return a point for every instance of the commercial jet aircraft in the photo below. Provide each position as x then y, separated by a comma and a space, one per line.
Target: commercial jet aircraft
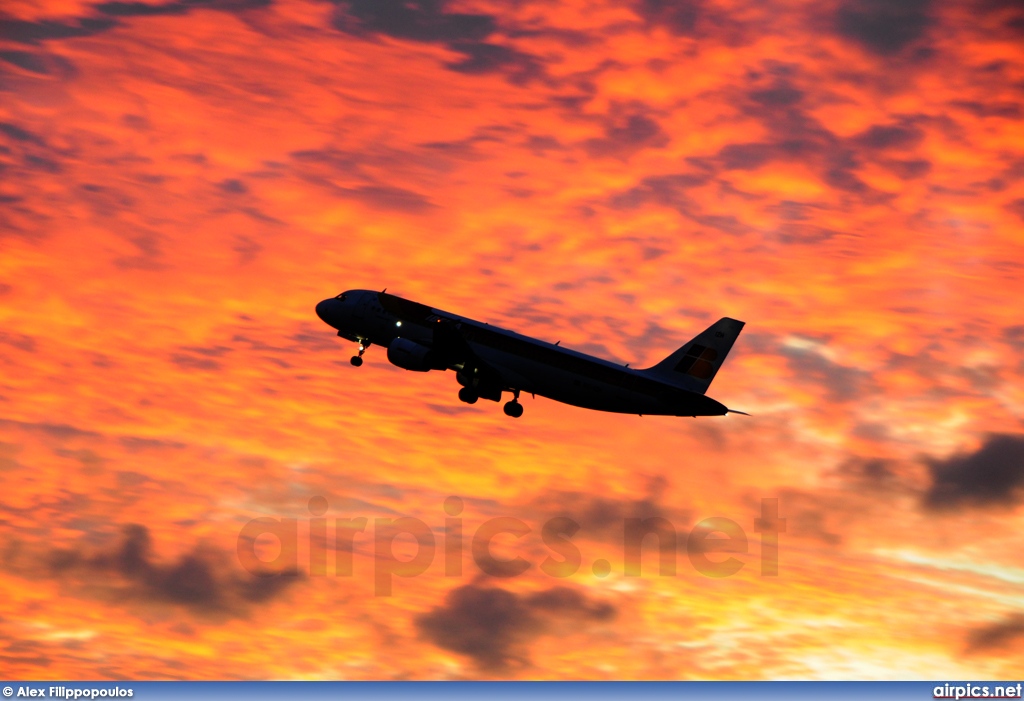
488, 360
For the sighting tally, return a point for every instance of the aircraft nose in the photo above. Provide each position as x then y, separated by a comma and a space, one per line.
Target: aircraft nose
327, 312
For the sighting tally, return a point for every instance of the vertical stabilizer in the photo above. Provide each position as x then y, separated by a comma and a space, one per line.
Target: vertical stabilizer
695, 364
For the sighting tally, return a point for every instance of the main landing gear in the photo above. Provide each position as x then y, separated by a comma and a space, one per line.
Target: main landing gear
514, 408
357, 360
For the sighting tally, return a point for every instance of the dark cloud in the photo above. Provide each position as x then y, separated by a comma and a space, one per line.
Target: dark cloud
813, 524
134, 444
694, 18
482, 57
665, 190
991, 476
41, 163
19, 341
780, 95
259, 216
105, 201
890, 136
606, 516
197, 580
1004, 635
793, 134
8, 451
749, 156
447, 409
149, 256
883, 27
488, 625
493, 626
32, 62
418, 20
841, 383
258, 345
141, 9
194, 358
389, 198
1006, 110
627, 134
540, 144
1017, 207
187, 361
672, 191
136, 121
322, 166
599, 514
25, 32
462, 149
208, 351
19, 134
314, 338
679, 17
873, 473
1014, 335
246, 248
429, 21
1011, 13
58, 431
795, 222
330, 160
811, 516
570, 37
908, 169
26, 653
233, 186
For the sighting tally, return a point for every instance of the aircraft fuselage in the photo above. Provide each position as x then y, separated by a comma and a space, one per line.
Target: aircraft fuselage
489, 360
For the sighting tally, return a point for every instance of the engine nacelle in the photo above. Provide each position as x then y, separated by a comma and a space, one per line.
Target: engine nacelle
410, 355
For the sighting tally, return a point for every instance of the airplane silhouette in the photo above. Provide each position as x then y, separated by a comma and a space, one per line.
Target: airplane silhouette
488, 360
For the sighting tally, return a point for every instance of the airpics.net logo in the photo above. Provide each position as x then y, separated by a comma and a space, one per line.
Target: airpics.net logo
977, 691
270, 546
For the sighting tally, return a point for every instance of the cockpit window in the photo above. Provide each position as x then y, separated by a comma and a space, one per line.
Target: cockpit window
341, 297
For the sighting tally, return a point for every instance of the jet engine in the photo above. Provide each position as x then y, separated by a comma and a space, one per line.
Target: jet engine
410, 355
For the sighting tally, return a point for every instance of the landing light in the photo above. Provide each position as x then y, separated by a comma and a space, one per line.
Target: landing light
398, 323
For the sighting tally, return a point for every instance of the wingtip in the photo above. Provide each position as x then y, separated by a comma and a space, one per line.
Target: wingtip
736, 411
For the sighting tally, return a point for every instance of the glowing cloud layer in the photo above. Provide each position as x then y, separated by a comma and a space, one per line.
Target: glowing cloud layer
182, 181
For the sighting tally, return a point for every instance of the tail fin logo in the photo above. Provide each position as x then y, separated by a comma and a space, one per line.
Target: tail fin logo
694, 364
698, 362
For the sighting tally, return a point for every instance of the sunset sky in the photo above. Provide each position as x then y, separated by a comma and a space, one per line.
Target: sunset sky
181, 182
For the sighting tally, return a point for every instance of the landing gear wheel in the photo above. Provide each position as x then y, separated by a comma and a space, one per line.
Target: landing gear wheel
513, 409
357, 360
468, 396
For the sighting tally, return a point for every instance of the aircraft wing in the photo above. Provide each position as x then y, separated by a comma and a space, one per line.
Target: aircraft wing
451, 345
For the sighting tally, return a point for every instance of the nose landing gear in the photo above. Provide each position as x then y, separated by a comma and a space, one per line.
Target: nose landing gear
357, 360
513, 408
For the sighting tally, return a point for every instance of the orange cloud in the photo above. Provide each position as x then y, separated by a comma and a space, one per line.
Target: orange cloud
184, 181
